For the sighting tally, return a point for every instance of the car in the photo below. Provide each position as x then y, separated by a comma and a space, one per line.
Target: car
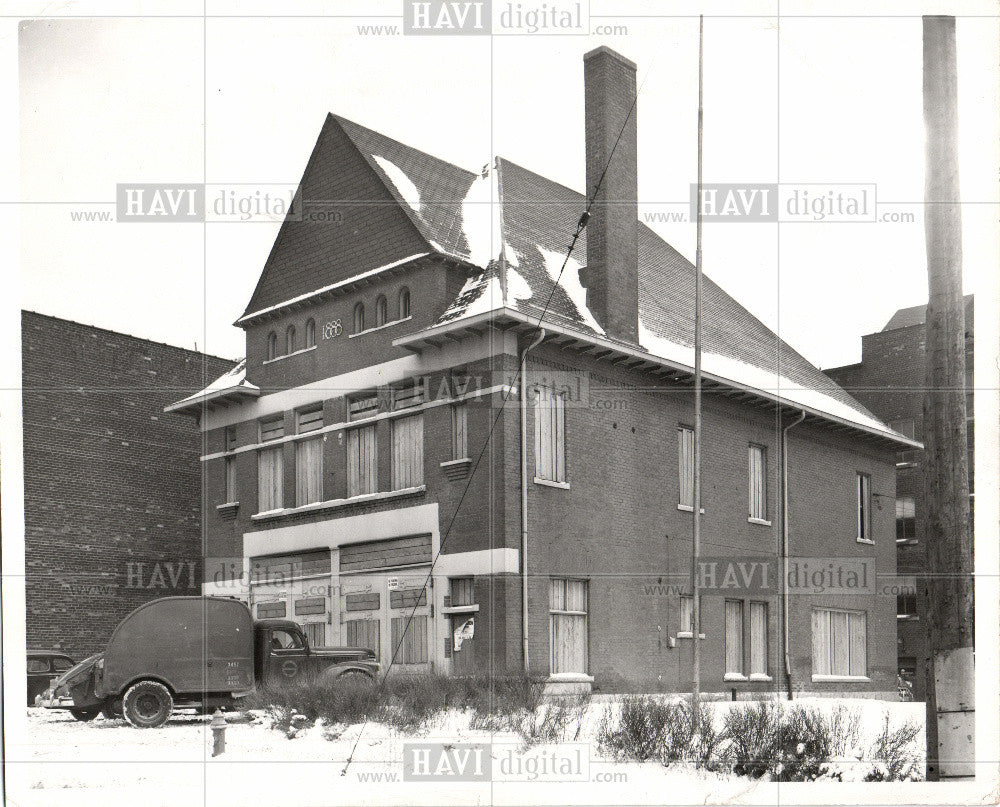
44, 666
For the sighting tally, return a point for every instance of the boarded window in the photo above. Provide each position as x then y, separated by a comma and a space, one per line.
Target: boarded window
463, 591
758, 638
568, 625
864, 507
364, 633
407, 597
279, 569
362, 461
550, 435
734, 637
310, 605
685, 466
364, 601
315, 633
758, 482
408, 452
363, 406
309, 471
409, 639
409, 550
410, 395
270, 610
459, 431
269, 479
839, 642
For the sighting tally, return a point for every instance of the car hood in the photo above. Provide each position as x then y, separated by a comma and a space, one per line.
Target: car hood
77, 673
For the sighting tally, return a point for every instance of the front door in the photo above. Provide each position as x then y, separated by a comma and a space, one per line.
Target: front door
287, 658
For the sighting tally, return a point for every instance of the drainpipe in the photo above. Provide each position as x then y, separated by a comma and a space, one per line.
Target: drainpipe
524, 495
785, 545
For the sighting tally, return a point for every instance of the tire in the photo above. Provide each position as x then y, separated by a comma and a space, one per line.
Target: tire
86, 713
147, 705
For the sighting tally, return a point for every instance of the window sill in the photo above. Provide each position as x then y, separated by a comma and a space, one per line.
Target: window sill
735, 677
760, 677
333, 504
868, 541
227, 509
686, 634
573, 678
859, 679
461, 609
289, 355
379, 327
907, 542
908, 617
689, 509
762, 522
550, 483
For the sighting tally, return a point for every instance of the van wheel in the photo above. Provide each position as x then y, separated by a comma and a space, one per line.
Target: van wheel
147, 704
86, 713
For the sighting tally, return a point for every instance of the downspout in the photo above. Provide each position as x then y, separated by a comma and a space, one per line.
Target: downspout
524, 495
785, 546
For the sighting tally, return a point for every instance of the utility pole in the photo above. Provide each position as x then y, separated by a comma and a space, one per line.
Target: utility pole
949, 583
696, 542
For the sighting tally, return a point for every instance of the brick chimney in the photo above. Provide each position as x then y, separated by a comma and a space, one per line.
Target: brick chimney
611, 276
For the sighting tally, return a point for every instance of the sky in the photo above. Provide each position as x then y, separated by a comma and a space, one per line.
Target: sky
814, 98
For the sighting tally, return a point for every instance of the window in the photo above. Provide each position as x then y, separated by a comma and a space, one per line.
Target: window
285, 639
410, 395
60, 664
734, 637
408, 452
359, 317
290, 340
309, 459
364, 633
758, 483
463, 591
38, 665
864, 507
758, 638
906, 520
404, 303
310, 333
381, 311
315, 633
270, 468
568, 625
272, 346
230, 465
839, 643
906, 606
363, 407
686, 621
550, 435
685, 465
362, 462
410, 648
459, 431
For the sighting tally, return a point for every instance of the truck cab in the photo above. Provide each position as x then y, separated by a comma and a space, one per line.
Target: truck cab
282, 655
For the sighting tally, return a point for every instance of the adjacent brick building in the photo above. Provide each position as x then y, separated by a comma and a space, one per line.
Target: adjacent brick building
889, 380
377, 470
112, 485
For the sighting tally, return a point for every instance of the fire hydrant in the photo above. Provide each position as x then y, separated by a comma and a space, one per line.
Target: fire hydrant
218, 726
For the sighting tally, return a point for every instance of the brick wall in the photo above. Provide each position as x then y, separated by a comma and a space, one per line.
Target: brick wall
112, 484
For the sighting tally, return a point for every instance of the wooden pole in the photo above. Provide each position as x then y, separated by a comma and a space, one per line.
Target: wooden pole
948, 602
696, 548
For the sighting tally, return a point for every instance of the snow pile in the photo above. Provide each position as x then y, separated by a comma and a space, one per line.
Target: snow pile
482, 222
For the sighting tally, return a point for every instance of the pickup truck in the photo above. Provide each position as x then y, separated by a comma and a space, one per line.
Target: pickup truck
204, 652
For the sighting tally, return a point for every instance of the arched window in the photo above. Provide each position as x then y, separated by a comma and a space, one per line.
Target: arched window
272, 346
290, 340
381, 310
359, 317
310, 333
404, 303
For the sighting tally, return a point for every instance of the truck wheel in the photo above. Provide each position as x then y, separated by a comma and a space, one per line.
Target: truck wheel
86, 713
147, 705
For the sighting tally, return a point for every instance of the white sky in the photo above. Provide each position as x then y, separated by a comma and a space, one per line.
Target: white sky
830, 99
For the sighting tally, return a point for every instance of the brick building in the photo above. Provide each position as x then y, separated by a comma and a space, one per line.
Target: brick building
363, 468
889, 380
112, 485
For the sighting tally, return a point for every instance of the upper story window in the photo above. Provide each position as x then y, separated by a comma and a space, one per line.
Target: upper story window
381, 311
410, 395
864, 486
550, 435
230, 439
359, 318
272, 346
290, 339
408, 452
310, 333
758, 482
685, 466
363, 406
309, 458
906, 520
270, 467
460, 431
404, 303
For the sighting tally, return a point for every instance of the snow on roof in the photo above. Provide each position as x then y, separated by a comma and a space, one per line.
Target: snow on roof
233, 381
407, 190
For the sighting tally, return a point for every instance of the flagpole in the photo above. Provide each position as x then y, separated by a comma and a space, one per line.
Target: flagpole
696, 543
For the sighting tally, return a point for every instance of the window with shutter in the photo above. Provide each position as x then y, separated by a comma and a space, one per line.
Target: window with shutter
550, 435
408, 452
362, 461
685, 466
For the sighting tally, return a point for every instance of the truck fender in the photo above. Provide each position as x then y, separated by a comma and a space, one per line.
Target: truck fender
340, 670
121, 692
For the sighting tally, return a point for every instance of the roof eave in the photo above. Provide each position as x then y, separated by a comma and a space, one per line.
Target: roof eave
632, 358
215, 399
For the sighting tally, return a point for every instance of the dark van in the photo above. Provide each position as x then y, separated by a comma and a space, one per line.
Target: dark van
196, 651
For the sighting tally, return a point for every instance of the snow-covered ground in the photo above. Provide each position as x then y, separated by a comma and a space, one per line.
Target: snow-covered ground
57, 760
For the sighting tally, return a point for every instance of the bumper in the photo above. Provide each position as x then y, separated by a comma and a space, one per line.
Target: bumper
50, 700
